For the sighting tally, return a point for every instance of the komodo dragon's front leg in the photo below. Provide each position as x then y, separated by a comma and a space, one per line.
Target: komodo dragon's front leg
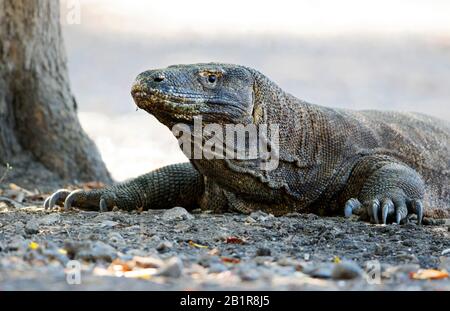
387, 191
172, 185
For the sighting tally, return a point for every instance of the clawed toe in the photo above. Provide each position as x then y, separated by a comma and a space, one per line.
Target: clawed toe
387, 210
71, 198
91, 200
352, 206
58, 196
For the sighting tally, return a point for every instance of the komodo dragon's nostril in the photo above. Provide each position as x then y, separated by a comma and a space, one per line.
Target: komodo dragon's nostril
158, 79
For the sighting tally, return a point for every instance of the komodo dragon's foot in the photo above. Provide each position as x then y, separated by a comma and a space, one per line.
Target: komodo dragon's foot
390, 194
172, 185
101, 200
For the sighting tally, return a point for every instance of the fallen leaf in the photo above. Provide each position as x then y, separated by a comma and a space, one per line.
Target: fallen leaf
231, 260
336, 259
122, 266
193, 244
234, 240
33, 245
428, 274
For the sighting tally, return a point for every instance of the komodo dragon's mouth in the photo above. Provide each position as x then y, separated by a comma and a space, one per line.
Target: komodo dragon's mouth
178, 106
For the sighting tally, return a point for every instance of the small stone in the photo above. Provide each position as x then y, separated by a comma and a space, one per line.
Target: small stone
177, 213
321, 271
32, 227
248, 273
108, 224
17, 242
263, 251
50, 219
164, 246
217, 268
250, 220
286, 262
444, 263
91, 251
261, 216
446, 252
346, 270
173, 268
115, 238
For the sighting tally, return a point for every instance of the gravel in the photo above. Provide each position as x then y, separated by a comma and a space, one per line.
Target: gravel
175, 250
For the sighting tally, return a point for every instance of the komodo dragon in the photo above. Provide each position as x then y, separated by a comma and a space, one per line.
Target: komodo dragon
382, 166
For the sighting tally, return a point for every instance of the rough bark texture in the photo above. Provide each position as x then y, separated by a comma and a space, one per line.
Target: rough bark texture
40, 135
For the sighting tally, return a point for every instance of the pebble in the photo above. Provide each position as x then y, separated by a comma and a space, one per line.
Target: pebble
17, 242
261, 216
109, 224
91, 251
50, 219
321, 271
217, 268
263, 251
164, 246
32, 227
346, 270
248, 273
446, 252
173, 268
444, 263
116, 238
177, 213
250, 220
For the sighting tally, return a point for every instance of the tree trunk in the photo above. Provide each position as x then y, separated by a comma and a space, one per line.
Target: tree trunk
40, 135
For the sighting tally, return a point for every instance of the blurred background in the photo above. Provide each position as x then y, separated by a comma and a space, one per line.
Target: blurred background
352, 54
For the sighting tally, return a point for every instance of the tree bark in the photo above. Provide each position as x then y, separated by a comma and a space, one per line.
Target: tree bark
40, 135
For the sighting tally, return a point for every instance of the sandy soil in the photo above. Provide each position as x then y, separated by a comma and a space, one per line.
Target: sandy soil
174, 249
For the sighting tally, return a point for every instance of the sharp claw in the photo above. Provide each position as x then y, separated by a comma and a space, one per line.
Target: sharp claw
418, 210
70, 198
60, 194
384, 212
401, 211
386, 209
102, 205
351, 206
375, 210
46, 205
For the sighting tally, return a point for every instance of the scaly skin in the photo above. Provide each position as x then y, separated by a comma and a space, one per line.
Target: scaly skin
382, 166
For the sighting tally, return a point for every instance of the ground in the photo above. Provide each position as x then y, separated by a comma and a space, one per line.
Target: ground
177, 250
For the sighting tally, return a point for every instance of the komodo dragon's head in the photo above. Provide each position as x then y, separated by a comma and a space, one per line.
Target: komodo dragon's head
219, 93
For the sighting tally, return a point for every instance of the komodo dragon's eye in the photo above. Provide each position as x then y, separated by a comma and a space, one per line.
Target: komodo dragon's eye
212, 78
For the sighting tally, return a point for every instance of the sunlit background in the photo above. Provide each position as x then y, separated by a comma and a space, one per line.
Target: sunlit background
349, 53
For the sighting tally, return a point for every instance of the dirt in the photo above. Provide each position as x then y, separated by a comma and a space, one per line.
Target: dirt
178, 250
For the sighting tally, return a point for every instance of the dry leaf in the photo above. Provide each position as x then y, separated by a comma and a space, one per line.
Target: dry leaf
231, 260
193, 244
33, 245
428, 274
234, 240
